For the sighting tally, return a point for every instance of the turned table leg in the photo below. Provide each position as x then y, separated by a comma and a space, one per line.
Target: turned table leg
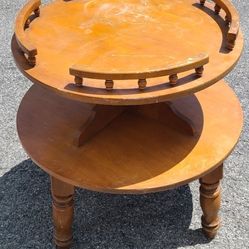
62, 194
210, 199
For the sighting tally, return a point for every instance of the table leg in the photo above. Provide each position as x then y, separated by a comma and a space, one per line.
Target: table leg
63, 205
210, 200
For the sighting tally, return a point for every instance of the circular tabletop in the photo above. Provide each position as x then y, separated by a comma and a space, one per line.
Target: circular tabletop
126, 52
133, 154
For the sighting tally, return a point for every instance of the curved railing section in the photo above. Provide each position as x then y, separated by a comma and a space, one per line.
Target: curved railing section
232, 19
194, 63
22, 22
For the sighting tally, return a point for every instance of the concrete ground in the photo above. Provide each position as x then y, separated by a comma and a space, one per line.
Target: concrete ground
164, 220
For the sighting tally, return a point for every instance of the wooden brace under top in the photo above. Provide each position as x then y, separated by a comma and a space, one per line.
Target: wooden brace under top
167, 113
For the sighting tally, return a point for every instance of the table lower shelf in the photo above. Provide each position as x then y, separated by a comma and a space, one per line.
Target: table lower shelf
134, 153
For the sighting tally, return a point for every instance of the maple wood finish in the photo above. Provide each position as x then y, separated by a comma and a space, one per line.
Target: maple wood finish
210, 200
150, 38
22, 22
100, 117
165, 113
196, 63
232, 19
134, 119
62, 194
113, 158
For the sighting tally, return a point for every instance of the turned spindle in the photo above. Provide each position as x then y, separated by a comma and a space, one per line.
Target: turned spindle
199, 71
37, 12
109, 85
210, 200
202, 2
231, 42
62, 194
217, 9
78, 81
227, 19
31, 60
27, 23
173, 79
142, 84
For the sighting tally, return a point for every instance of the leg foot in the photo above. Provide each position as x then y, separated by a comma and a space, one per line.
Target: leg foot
210, 199
59, 247
62, 194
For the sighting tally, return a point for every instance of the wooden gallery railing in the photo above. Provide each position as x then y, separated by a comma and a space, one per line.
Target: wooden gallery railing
32, 10
195, 63
231, 18
22, 22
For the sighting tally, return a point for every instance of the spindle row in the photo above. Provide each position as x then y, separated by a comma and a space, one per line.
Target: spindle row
196, 63
231, 19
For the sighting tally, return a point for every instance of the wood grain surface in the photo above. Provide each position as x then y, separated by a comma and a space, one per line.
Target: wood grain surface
231, 17
117, 37
22, 22
195, 63
210, 200
135, 153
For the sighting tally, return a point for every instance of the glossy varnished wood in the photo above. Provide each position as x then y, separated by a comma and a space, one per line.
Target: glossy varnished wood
150, 37
135, 153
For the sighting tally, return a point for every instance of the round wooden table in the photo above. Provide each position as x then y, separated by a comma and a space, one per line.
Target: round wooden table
135, 153
116, 106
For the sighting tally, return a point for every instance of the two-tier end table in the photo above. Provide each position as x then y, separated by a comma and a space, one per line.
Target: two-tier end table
128, 97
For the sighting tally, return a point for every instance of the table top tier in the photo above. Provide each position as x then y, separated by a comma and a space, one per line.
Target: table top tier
142, 51
134, 153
